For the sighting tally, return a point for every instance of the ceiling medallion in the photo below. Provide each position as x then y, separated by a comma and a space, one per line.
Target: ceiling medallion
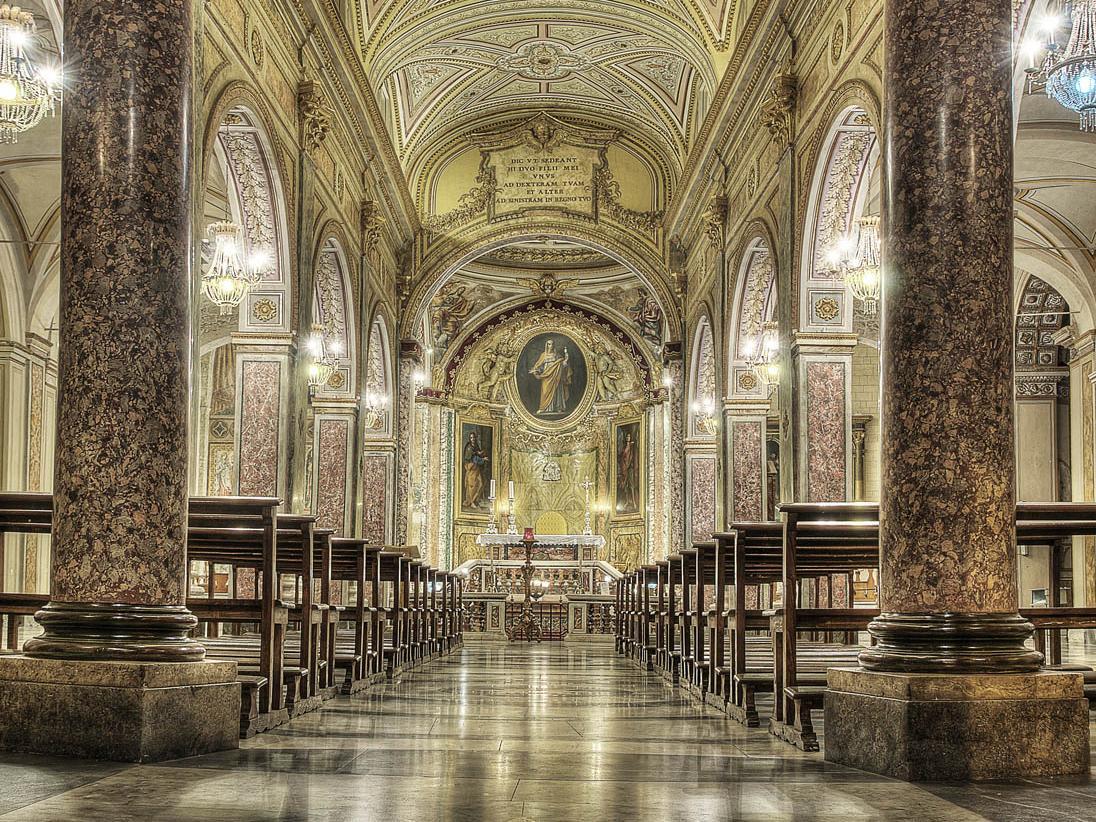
543, 60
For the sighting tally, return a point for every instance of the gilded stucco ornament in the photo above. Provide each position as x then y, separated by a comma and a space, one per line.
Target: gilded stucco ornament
827, 309
777, 112
315, 114
715, 216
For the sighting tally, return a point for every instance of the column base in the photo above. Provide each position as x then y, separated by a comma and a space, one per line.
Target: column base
956, 727
122, 711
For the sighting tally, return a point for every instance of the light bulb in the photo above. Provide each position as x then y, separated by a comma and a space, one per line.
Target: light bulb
51, 76
1086, 83
1049, 24
871, 278
8, 90
18, 37
260, 260
335, 347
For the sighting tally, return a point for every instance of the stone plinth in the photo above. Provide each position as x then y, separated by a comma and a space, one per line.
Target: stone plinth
124, 711
943, 727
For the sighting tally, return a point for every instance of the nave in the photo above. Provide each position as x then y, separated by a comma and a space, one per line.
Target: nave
523, 733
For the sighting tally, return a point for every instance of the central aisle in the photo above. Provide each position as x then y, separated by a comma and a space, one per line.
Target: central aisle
543, 733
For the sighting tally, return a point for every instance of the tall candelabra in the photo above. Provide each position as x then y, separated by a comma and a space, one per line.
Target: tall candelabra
587, 524
527, 627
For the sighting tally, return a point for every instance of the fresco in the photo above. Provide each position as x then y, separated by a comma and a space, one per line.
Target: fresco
551, 376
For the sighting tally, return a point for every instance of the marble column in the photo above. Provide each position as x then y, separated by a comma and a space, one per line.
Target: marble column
115, 674
947, 531
949, 691
120, 487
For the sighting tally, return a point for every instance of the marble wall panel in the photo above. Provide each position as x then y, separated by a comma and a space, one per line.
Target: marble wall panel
259, 427
331, 456
374, 479
701, 498
747, 440
825, 431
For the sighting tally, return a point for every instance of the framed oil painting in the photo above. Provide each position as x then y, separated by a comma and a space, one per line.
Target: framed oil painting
551, 377
475, 466
627, 462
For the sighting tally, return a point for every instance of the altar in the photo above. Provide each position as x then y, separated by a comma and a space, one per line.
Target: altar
555, 547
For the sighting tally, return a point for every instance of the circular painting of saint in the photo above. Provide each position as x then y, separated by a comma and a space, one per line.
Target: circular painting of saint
551, 376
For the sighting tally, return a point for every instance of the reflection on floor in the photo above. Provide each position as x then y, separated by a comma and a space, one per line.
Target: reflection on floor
541, 733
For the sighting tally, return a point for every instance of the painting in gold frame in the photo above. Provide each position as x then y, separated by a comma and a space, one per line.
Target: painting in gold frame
475, 466
627, 483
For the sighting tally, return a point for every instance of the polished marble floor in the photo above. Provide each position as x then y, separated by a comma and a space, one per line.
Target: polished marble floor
548, 733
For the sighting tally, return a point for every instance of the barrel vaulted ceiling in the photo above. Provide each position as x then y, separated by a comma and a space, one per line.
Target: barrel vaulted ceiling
445, 68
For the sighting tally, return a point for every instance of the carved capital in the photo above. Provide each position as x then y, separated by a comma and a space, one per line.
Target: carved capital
372, 224
315, 114
778, 110
715, 216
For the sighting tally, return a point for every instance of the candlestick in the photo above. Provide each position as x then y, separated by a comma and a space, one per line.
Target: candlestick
511, 489
513, 526
492, 524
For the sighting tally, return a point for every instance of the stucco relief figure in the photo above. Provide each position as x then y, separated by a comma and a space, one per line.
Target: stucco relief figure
476, 467
496, 367
647, 316
448, 311
606, 374
551, 376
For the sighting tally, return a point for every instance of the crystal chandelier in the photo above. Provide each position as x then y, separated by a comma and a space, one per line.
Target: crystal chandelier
27, 94
325, 359
705, 417
862, 269
764, 357
1069, 75
227, 280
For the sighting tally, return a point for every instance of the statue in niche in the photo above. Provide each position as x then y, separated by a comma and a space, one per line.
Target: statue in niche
606, 374
551, 376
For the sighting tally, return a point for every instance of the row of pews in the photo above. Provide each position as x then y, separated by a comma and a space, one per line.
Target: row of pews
309, 614
716, 619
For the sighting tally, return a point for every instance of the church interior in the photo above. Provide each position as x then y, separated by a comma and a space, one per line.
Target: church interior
547, 410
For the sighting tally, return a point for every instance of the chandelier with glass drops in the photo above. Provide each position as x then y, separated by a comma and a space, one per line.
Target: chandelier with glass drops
763, 357
859, 262
27, 94
325, 355
1068, 75
228, 278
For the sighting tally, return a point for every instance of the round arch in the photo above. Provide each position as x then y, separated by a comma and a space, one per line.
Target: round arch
333, 308
439, 266
845, 151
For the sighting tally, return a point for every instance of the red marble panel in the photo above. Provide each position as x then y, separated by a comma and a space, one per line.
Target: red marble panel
374, 497
331, 473
746, 450
259, 428
702, 498
826, 441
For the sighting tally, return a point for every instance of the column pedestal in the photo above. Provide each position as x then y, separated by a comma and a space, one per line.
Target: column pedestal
124, 711
924, 727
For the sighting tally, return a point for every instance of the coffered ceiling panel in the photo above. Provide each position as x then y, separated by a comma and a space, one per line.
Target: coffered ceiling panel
444, 69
